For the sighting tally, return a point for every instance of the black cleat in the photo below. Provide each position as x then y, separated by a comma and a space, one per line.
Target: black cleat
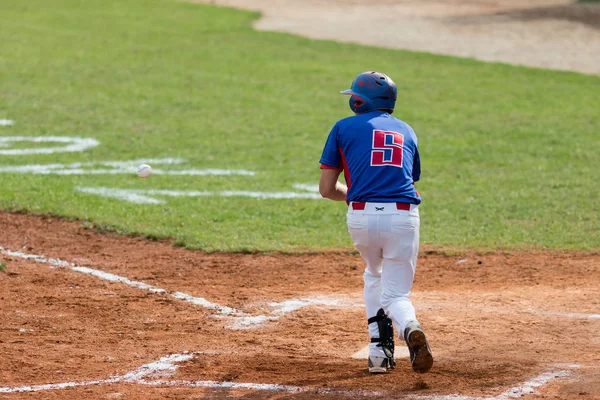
420, 353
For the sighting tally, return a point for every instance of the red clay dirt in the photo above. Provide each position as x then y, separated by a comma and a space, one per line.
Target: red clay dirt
494, 321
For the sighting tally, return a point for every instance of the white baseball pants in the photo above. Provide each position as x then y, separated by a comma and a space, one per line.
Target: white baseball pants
388, 241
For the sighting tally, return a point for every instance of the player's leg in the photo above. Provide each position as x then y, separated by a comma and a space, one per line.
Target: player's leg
372, 288
400, 252
363, 231
400, 249
397, 279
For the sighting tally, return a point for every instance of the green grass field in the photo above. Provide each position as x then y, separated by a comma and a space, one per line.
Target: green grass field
510, 155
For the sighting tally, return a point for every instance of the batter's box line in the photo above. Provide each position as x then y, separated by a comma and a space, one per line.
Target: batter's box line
150, 374
237, 319
154, 374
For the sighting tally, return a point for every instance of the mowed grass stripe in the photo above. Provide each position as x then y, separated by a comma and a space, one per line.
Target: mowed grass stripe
508, 153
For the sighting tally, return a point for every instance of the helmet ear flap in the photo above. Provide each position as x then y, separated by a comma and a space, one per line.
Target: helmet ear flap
356, 103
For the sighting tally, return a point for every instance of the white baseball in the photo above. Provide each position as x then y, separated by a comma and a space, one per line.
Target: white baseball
144, 171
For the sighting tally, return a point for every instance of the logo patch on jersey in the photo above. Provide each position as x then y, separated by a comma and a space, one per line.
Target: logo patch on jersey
379, 208
387, 149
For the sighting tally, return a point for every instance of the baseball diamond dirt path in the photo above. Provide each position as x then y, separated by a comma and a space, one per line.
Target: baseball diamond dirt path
103, 316
555, 34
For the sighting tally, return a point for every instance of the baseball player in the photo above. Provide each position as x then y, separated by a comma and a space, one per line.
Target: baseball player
379, 156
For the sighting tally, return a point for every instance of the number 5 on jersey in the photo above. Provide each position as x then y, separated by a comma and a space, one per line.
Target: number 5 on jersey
387, 149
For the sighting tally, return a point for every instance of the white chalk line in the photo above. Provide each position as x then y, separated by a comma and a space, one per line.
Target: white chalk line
265, 387
237, 319
309, 187
119, 167
199, 301
72, 144
528, 387
6, 122
151, 374
164, 367
139, 196
291, 305
288, 306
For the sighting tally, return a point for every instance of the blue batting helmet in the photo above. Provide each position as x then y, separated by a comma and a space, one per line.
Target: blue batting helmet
372, 91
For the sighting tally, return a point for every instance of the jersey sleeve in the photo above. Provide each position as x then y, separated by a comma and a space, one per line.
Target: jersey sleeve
331, 157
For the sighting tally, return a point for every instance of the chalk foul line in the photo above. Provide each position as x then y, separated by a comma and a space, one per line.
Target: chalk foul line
528, 387
151, 374
71, 144
119, 167
164, 367
237, 319
154, 374
199, 301
140, 196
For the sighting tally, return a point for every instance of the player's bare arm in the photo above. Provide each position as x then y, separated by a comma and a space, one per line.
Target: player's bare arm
330, 187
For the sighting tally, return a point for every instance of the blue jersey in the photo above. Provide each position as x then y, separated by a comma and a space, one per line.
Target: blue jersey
379, 156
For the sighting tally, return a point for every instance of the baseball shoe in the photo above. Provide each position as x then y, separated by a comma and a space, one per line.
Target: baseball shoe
420, 353
378, 365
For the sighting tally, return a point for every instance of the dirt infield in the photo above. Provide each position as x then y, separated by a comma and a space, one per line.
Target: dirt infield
99, 316
555, 34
